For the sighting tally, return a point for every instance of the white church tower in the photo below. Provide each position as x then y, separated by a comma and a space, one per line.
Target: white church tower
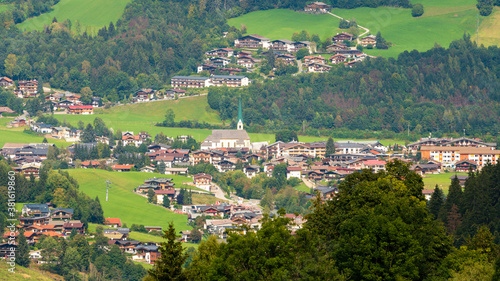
240, 118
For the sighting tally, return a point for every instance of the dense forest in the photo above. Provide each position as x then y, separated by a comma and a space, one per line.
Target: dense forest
441, 90
377, 228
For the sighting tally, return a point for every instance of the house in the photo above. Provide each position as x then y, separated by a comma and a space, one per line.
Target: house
326, 192
153, 228
300, 45
251, 170
220, 61
450, 155
293, 172
203, 181
422, 169
317, 7
28, 87
113, 222
336, 47
147, 169
283, 45
148, 253
207, 67
160, 195
252, 42
338, 58
221, 52
316, 59
466, 165
4, 109
96, 102
68, 227
318, 67
229, 80
176, 171
122, 168
461, 179
340, 37
246, 61
189, 82
63, 105
81, 109
428, 193
160, 183
375, 165
61, 214
144, 95
185, 235
369, 40
286, 58
225, 166
6, 82
75, 99
35, 210
350, 53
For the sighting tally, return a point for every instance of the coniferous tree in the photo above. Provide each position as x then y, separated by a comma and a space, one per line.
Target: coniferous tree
436, 201
172, 258
330, 147
23, 250
151, 195
166, 201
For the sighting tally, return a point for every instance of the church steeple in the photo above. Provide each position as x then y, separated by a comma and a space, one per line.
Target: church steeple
240, 117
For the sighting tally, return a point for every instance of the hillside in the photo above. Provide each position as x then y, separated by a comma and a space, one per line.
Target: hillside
123, 203
91, 14
22, 274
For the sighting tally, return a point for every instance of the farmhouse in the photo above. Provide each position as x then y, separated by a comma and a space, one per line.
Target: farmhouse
340, 37
81, 109
203, 181
6, 82
144, 95
317, 7
189, 82
252, 42
369, 40
293, 172
338, 58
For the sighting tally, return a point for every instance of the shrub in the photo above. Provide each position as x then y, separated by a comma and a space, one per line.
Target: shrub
417, 10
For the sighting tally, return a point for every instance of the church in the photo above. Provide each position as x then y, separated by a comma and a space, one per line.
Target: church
228, 138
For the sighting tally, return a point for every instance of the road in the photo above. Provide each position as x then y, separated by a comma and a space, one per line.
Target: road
309, 183
359, 36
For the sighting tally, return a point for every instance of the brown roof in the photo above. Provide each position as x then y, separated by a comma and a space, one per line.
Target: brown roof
5, 109
462, 149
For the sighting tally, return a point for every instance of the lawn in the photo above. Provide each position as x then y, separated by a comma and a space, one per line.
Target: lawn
442, 180
303, 187
123, 203
205, 199
281, 23
489, 31
442, 22
17, 135
91, 14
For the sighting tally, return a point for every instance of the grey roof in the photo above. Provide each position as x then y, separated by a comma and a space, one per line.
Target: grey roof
284, 40
460, 177
68, 210
147, 247
191, 77
158, 180
217, 135
44, 208
349, 145
120, 230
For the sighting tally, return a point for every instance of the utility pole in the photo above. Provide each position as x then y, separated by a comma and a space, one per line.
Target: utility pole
464, 133
107, 188
477, 31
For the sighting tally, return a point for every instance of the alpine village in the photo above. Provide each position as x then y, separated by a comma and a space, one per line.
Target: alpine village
250, 140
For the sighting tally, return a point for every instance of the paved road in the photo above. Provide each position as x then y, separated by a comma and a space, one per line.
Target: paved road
359, 36
308, 183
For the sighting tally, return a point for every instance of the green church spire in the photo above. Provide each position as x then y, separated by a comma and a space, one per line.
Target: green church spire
240, 116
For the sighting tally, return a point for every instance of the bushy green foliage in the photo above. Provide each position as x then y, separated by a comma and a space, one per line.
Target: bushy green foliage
417, 10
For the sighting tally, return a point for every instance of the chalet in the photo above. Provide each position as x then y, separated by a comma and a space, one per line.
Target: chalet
318, 67
246, 61
122, 168
225, 166
336, 47
251, 170
317, 7
220, 61
244, 54
90, 164
185, 235
230, 80
350, 53
53, 98
341, 37
144, 95
221, 52
203, 181
252, 42
160, 183
153, 228
35, 210
127, 246
147, 169
189, 82
81, 109
283, 45
113, 222
350, 64
61, 214
18, 122
6, 82
29, 170
300, 45
338, 58
207, 67
60, 132
172, 93
423, 169
375, 165
311, 59
466, 166
369, 40
176, 171
326, 192
28, 87
63, 105
230, 70
75, 99
160, 195
148, 253
293, 172
286, 58
68, 227
24, 222
114, 235
95, 102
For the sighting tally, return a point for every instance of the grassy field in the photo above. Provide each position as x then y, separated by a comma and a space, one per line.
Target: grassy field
91, 14
303, 187
21, 274
17, 135
147, 266
123, 203
442, 180
442, 22
281, 24
489, 31
201, 199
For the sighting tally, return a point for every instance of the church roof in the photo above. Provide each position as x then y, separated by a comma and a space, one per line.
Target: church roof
218, 135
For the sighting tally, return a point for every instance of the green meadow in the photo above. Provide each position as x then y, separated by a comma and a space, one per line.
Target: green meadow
282, 23
18, 136
131, 208
442, 180
22, 273
91, 14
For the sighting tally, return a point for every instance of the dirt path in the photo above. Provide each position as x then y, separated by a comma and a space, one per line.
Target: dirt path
359, 36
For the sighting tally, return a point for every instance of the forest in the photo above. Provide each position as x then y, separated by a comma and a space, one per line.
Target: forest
441, 90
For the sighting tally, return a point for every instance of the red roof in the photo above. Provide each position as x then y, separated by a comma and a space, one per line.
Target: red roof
374, 162
81, 107
166, 191
122, 167
73, 225
113, 221
294, 169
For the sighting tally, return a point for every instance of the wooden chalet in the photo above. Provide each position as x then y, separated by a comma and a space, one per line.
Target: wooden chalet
369, 40
286, 58
68, 227
202, 179
340, 37
160, 183
81, 109
318, 67
338, 58
207, 67
28, 87
300, 45
220, 61
61, 214
246, 61
252, 42
466, 165
6, 82
317, 59
283, 45
171, 93
336, 47
221, 52
75, 99
144, 95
